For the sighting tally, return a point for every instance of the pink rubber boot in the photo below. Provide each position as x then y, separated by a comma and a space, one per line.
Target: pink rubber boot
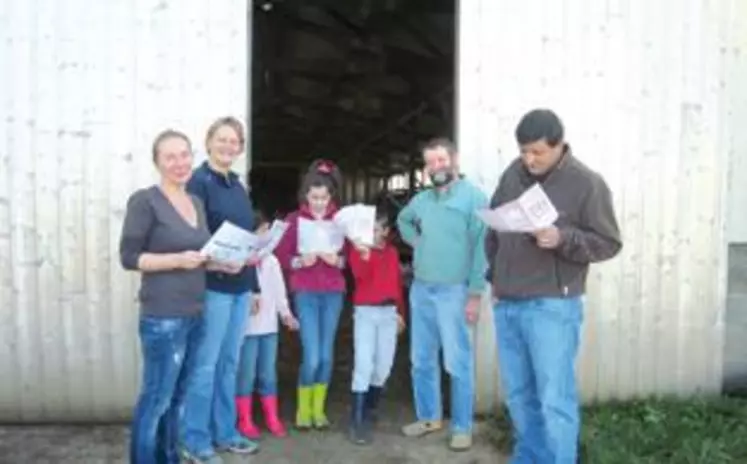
245, 423
272, 418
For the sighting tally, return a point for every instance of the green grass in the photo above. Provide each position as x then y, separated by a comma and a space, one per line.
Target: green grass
699, 431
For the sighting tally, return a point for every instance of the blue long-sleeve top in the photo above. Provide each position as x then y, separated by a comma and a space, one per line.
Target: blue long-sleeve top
446, 235
225, 199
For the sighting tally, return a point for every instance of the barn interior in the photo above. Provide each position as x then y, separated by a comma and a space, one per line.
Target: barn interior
362, 83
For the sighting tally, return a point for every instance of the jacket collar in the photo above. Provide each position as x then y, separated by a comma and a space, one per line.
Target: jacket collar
566, 159
228, 179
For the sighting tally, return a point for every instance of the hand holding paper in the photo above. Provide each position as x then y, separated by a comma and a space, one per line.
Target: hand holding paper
271, 238
317, 237
531, 212
232, 244
190, 259
308, 260
330, 258
357, 222
548, 238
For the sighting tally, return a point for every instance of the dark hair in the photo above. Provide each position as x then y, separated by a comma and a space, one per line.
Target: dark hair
260, 218
383, 217
226, 121
540, 124
322, 173
164, 136
441, 142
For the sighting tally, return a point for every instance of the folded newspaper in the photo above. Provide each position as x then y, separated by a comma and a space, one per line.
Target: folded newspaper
532, 211
357, 223
232, 244
319, 237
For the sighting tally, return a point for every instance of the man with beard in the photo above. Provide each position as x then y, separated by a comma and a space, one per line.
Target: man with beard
538, 282
449, 266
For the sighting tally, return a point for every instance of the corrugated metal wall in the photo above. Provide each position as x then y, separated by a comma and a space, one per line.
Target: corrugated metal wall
737, 223
86, 84
647, 91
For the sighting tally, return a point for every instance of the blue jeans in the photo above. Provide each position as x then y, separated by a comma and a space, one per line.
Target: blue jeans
375, 343
537, 345
259, 355
164, 342
209, 413
439, 323
318, 317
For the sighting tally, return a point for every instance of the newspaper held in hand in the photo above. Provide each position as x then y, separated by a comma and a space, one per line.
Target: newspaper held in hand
267, 243
319, 237
230, 244
357, 222
531, 212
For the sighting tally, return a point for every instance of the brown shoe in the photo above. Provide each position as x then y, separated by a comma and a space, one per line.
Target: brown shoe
421, 428
461, 442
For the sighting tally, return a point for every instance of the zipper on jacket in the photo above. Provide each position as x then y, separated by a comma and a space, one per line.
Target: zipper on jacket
558, 280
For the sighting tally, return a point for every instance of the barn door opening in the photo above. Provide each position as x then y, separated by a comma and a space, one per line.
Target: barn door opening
360, 82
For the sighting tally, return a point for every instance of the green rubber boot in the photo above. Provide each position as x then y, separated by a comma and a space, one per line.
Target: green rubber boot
303, 408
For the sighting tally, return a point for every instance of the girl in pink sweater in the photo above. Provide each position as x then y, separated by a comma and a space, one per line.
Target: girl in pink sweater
318, 286
259, 350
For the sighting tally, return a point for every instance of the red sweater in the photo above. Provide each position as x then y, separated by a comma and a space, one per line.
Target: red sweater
378, 280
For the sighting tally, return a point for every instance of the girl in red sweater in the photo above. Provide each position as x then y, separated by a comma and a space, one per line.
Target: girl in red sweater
378, 319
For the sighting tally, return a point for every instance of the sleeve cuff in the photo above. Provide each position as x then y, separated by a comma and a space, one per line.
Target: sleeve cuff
130, 261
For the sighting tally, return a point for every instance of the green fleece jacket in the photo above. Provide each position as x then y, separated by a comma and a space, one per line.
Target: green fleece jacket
446, 235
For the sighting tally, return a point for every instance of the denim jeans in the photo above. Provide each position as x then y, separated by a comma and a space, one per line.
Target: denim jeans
318, 317
164, 342
209, 412
375, 343
439, 323
537, 345
259, 355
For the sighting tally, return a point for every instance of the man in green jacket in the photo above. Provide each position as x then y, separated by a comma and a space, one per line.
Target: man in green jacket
449, 266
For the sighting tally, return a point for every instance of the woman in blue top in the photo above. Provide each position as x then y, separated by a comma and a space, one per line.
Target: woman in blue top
209, 418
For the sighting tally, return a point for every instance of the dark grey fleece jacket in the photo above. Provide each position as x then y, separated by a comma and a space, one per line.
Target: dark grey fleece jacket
587, 224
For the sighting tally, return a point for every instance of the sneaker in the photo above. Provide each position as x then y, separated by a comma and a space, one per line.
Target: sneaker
202, 457
461, 442
239, 445
421, 428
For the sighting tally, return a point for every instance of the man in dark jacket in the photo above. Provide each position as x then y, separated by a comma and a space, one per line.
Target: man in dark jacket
538, 283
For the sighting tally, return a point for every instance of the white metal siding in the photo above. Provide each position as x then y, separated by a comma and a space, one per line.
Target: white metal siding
647, 92
86, 85
645, 89
737, 206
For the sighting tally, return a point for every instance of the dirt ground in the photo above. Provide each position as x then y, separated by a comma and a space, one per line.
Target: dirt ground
108, 444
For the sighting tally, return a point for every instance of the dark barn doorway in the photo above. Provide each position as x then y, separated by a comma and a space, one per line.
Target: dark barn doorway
364, 83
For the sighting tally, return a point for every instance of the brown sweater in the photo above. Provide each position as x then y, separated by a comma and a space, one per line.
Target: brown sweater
588, 227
